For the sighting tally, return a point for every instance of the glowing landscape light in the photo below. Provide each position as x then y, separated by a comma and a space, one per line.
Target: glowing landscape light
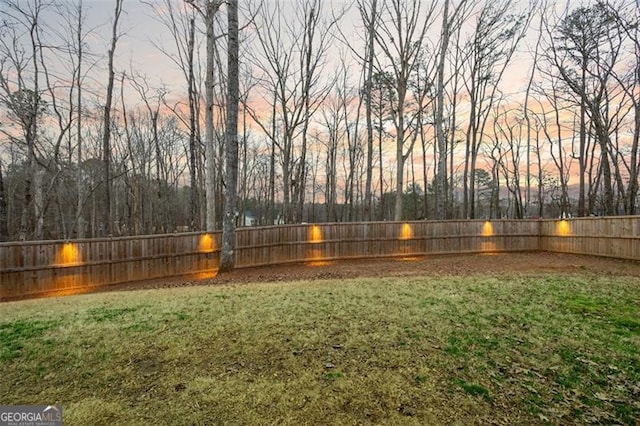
563, 228
71, 278
205, 245
314, 252
406, 232
487, 246
206, 264
69, 254
315, 234
406, 244
487, 229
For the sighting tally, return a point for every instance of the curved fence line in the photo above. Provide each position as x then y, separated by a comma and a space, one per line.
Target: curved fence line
66, 267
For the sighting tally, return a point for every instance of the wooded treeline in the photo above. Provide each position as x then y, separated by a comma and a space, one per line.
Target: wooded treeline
466, 108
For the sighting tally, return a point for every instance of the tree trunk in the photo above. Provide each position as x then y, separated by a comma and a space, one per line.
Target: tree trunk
194, 223
4, 214
603, 140
582, 160
272, 171
539, 175
380, 154
425, 181
227, 255
633, 166
80, 185
441, 178
106, 124
368, 196
210, 153
397, 211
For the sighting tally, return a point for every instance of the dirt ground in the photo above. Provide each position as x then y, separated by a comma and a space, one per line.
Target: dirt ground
468, 264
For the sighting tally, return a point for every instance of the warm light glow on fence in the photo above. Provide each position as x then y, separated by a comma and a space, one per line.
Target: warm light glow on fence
314, 251
410, 258
487, 229
488, 247
315, 234
72, 277
205, 245
318, 263
406, 232
87, 288
406, 245
69, 254
563, 228
205, 275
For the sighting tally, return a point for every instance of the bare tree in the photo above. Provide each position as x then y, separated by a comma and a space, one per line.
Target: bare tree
586, 38
369, 15
208, 10
274, 60
181, 24
451, 22
400, 36
227, 255
527, 117
333, 135
422, 86
554, 132
383, 99
508, 138
349, 107
22, 95
291, 57
316, 40
628, 20
106, 123
153, 100
441, 140
77, 53
494, 41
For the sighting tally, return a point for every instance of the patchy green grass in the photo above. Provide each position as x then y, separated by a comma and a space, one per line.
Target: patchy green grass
519, 349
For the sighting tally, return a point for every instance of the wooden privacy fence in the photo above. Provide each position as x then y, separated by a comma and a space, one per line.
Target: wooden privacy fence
32, 268
617, 236
334, 241
42, 267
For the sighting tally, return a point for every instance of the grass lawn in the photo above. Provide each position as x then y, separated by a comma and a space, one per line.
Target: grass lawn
528, 348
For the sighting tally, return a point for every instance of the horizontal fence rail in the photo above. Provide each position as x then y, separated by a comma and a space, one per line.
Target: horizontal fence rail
59, 267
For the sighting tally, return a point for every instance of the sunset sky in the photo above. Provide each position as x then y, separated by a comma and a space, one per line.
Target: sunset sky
141, 33
142, 36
